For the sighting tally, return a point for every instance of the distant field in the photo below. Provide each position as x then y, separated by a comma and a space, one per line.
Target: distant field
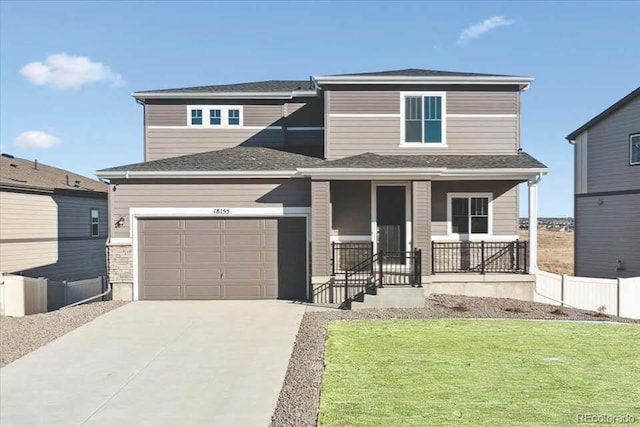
555, 250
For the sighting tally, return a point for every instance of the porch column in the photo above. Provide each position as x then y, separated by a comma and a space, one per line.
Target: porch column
421, 219
533, 225
320, 231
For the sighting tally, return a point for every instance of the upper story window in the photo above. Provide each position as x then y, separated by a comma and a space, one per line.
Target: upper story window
634, 149
469, 214
95, 222
423, 117
234, 117
213, 116
196, 116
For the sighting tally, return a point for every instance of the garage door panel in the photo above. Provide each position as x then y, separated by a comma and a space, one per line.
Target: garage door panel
164, 241
242, 240
162, 292
206, 291
246, 274
161, 274
202, 240
236, 258
161, 257
202, 257
211, 274
202, 224
244, 258
162, 224
244, 225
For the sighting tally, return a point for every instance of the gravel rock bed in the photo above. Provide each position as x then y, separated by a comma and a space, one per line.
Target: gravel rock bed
300, 395
22, 335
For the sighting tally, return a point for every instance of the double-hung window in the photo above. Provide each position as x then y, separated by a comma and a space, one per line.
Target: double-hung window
469, 214
634, 149
95, 222
196, 116
423, 118
214, 116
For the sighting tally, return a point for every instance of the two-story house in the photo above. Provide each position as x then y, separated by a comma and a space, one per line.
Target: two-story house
53, 223
270, 189
607, 191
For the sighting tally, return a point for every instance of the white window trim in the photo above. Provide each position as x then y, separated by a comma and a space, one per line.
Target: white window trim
632, 163
443, 143
224, 116
469, 236
91, 223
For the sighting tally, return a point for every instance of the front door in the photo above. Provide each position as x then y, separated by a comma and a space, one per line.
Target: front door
391, 219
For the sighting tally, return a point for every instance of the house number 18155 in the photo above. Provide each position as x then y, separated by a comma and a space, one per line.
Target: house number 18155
221, 211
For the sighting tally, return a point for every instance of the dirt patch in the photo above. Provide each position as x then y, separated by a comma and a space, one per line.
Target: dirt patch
300, 395
22, 335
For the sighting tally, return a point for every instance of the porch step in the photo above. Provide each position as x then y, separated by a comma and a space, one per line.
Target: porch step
392, 297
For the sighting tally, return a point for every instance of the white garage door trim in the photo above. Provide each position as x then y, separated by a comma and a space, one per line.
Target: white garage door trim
213, 212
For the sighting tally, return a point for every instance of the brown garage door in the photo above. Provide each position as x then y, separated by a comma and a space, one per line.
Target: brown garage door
203, 258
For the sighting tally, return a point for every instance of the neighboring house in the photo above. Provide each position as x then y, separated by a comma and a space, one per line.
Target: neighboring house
266, 189
53, 223
607, 191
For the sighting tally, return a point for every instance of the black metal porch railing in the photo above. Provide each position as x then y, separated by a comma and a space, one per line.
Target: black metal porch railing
378, 270
349, 254
480, 257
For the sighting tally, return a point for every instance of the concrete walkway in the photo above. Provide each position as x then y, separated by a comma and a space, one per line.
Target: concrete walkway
178, 363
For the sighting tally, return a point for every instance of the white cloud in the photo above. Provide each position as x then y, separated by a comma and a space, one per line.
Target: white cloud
483, 27
36, 139
63, 71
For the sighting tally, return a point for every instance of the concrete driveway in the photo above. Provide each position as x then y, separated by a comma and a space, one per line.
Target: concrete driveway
178, 363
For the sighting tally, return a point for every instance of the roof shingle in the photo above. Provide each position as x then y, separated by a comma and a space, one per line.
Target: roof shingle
22, 173
269, 159
249, 87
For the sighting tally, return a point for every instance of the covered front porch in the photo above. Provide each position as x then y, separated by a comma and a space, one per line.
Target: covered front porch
448, 226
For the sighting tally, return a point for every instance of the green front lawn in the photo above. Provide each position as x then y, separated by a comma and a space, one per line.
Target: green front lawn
478, 372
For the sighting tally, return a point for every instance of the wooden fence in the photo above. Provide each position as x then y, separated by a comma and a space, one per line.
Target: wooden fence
620, 297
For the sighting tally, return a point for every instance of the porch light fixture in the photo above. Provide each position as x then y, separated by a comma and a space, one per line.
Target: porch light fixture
120, 222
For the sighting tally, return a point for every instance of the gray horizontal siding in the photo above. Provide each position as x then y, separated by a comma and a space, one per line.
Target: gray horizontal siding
304, 113
206, 193
387, 101
76, 260
30, 226
321, 228
350, 136
486, 102
608, 151
607, 229
364, 102
505, 203
163, 143
176, 114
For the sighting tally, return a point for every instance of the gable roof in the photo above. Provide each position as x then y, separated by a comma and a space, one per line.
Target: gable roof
606, 113
25, 174
262, 162
249, 87
230, 159
272, 89
269, 89
418, 72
